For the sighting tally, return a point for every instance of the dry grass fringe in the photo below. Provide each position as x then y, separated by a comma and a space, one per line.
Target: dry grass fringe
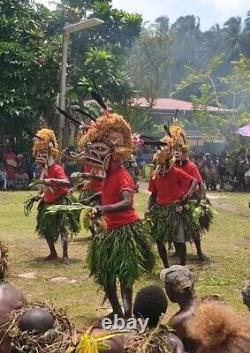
3, 261
218, 329
56, 340
153, 341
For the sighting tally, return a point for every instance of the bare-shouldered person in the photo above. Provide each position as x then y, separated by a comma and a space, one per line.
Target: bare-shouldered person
150, 303
179, 286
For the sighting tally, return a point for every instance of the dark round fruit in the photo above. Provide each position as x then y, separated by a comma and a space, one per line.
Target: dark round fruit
36, 319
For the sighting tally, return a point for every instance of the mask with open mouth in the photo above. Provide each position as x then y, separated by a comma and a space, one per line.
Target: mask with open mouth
179, 140
164, 158
108, 139
42, 157
97, 154
45, 147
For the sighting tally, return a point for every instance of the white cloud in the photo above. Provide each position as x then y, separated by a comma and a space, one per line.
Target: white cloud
209, 11
228, 8
230, 5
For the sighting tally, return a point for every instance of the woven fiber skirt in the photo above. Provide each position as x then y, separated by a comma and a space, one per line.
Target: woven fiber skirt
167, 224
51, 226
124, 253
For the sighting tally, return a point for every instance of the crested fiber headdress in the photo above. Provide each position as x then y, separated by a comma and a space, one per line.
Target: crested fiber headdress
108, 122
100, 131
174, 139
45, 139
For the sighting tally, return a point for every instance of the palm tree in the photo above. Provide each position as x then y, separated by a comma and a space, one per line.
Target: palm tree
247, 22
231, 38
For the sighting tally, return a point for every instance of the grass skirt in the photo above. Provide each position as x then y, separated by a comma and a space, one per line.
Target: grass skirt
51, 226
153, 341
166, 223
124, 253
56, 340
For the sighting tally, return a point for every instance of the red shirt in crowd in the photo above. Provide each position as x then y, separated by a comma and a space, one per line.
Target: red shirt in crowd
94, 184
55, 172
10, 161
170, 187
117, 180
191, 168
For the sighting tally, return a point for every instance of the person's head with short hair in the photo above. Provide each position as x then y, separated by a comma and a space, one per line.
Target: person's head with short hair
179, 284
246, 292
150, 302
218, 329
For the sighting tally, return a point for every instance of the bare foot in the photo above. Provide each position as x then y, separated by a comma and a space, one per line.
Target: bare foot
66, 260
202, 258
51, 257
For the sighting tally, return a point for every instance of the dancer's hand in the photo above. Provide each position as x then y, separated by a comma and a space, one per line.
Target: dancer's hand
97, 211
179, 209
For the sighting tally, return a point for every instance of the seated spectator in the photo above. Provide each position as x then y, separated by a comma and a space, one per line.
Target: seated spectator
247, 179
246, 294
22, 179
179, 286
20, 160
208, 170
242, 167
218, 329
151, 303
10, 165
3, 180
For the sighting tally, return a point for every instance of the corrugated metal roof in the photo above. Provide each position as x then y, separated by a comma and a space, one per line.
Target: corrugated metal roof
173, 104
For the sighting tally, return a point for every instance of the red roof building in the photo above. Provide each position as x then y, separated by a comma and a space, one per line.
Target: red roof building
170, 104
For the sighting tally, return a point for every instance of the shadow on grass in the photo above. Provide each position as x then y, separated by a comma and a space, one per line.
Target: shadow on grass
40, 262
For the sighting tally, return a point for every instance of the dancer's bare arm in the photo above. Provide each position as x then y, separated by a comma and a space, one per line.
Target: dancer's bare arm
191, 190
123, 205
151, 201
57, 182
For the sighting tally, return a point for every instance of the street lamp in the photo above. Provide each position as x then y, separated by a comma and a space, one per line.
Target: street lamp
67, 30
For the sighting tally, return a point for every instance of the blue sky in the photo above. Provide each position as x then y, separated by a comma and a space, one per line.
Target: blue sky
209, 11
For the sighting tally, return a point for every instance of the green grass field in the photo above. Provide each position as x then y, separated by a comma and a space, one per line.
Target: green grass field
227, 245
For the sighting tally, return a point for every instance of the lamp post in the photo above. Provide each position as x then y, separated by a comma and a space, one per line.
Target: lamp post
67, 30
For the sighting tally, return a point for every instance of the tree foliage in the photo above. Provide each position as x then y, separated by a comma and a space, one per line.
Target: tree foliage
124, 59
149, 59
29, 62
30, 55
231, 93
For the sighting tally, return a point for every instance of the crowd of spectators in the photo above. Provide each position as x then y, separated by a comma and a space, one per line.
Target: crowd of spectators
219, 171
224, 170
16, 170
